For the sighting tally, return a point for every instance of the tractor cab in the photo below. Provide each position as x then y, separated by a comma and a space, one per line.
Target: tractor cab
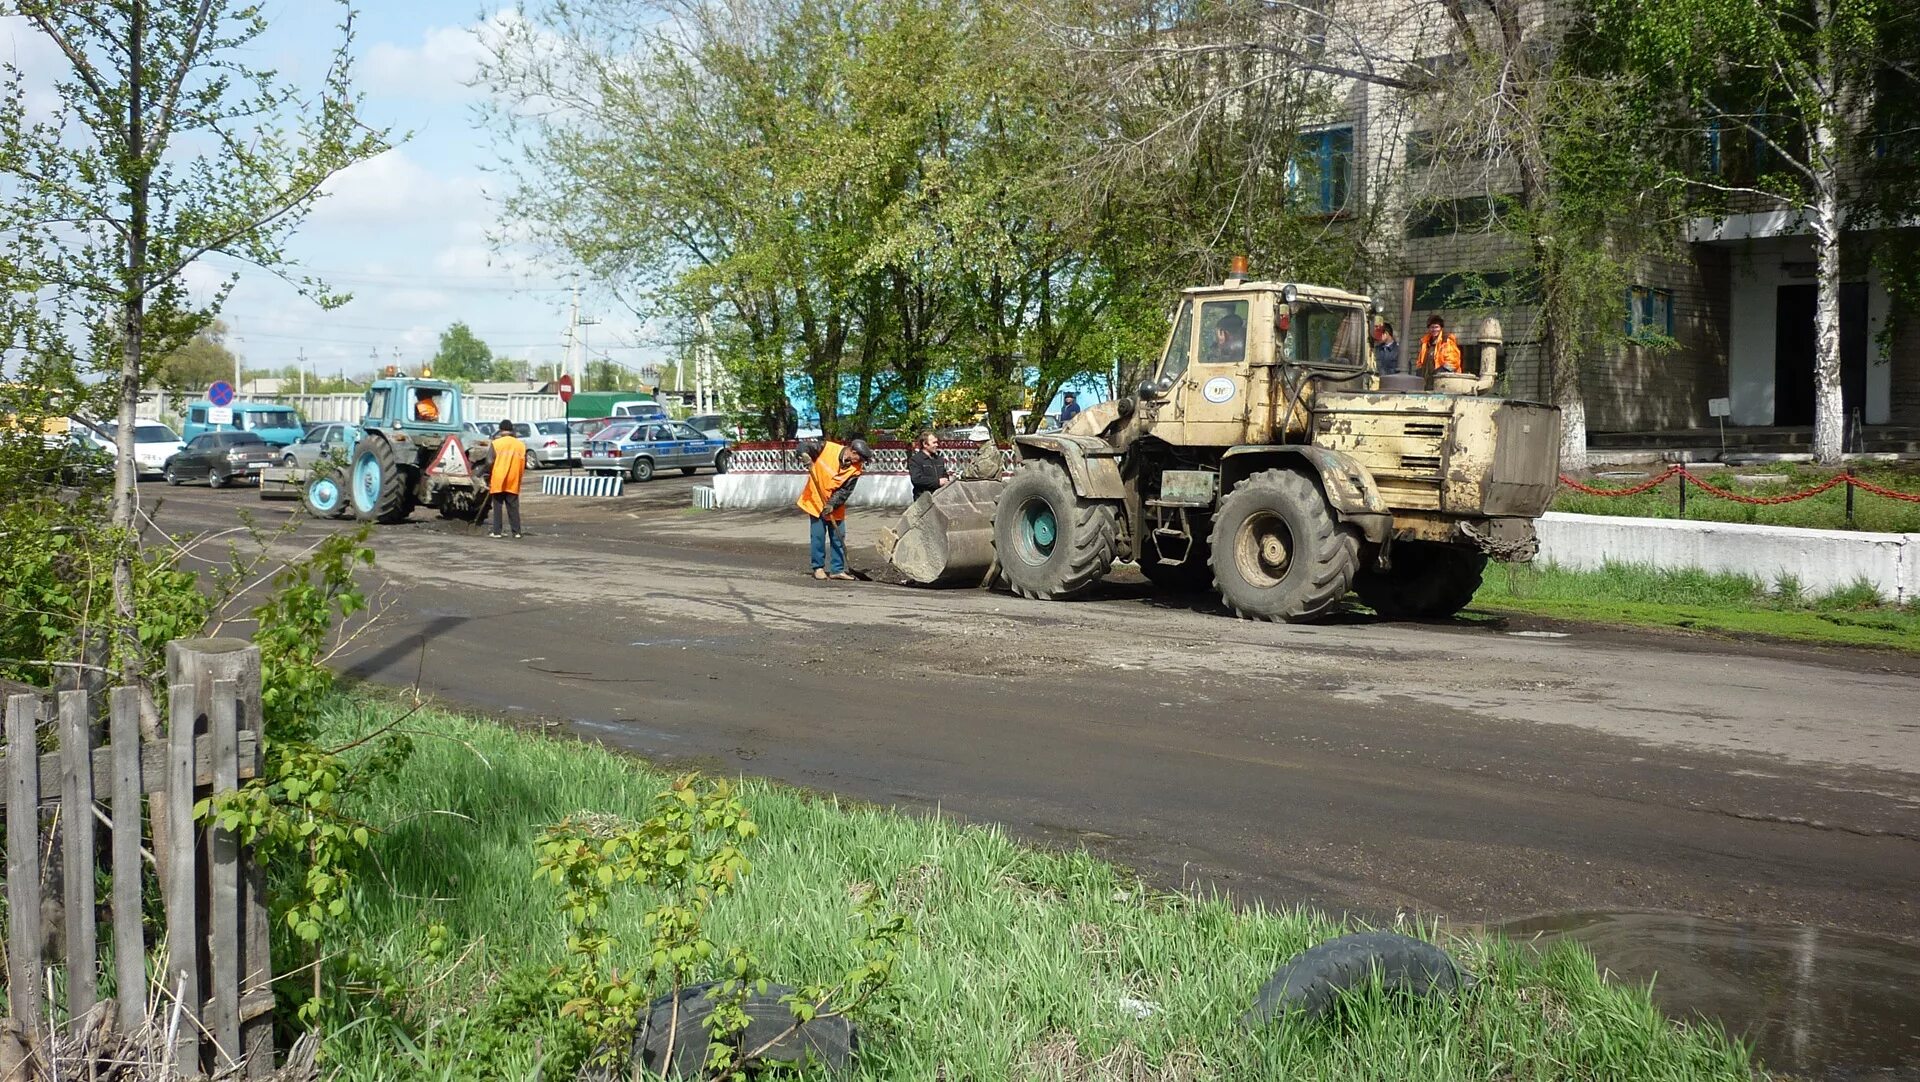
428, 406
1245, 359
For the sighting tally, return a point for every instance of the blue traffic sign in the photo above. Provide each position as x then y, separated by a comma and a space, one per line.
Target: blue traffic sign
221, 393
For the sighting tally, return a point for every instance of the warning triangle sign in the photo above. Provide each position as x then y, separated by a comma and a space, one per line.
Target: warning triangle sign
451, 461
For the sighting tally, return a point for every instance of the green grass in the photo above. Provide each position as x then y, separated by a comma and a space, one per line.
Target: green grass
1701, 601
1825, 511
1021, 960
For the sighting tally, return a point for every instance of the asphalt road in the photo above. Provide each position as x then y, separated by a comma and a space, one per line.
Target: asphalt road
1475, 770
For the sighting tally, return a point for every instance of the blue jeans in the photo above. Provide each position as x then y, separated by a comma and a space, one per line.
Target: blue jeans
822, 531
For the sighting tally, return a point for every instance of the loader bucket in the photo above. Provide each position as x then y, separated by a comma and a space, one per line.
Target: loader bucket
947, 536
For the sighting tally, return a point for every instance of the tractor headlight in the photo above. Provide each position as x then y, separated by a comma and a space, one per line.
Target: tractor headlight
1289, 294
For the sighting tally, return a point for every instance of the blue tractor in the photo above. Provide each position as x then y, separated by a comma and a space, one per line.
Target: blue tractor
409, 453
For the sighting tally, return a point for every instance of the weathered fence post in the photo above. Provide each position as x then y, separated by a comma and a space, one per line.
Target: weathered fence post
224, 675
76, 829
23, 862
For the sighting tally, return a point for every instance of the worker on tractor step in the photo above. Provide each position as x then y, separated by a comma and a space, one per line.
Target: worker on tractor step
831, 472
1438, 349
425, 406
503, 484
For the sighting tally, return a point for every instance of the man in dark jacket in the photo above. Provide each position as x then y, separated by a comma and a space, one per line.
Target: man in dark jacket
831, 472
925, 469
1069, 409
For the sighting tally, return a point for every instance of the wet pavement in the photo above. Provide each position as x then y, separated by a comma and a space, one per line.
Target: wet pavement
1814, 1002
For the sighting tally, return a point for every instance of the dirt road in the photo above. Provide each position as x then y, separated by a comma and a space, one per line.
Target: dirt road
1473, 769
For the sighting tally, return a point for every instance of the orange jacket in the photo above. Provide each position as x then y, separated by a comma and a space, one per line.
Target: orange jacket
426, 409
824, 478
1449, 353
509, 462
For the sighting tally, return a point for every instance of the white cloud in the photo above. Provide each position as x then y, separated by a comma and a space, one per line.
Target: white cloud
441, 67
394, 189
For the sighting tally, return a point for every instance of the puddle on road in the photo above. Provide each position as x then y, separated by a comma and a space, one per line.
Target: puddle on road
1815, 1003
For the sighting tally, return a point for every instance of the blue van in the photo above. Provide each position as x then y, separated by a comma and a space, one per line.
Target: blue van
277, 424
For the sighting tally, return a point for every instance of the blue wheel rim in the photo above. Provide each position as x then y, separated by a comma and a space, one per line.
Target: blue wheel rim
1038, 530
323, 494
366, 483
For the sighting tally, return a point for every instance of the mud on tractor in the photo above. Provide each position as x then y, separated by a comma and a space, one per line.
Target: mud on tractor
1265, 459
409, 454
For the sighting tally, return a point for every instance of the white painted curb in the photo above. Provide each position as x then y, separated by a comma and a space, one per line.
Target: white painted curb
577, 484
1822, 561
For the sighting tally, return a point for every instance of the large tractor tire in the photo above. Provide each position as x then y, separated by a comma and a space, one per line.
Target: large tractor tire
1427, 581
1278, 551
1051, 543
380, 483
325, 495
1191, 576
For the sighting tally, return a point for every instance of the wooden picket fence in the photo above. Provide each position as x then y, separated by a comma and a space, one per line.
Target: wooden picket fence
212, 970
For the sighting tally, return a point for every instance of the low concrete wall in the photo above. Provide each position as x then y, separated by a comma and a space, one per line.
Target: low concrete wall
1822, 561
774, 491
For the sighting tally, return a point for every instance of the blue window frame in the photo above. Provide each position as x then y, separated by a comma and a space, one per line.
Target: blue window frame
1321, 172
1649, 312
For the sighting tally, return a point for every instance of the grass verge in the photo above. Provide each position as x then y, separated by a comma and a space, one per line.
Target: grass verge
1026, 965
1827, 511
1700, 601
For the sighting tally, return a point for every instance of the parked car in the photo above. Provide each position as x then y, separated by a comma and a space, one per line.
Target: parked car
220, 458
276, 424
978, 432
333, 439
715, 425
639, 449
586, 428
153, 444
547, 444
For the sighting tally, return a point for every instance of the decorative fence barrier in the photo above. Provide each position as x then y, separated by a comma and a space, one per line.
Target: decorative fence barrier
889, 456
1685, 475
214, 971
582, 484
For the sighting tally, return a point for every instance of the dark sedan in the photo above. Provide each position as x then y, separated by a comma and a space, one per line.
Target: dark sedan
220, 457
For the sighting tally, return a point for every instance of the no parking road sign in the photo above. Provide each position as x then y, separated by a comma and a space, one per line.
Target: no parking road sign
221, 395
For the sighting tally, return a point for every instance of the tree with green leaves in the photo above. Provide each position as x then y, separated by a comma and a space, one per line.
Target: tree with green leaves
462, 355
200, 361
1781, 105
166, 144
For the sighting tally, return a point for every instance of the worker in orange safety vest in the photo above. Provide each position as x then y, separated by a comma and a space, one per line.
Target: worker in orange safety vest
833, 468
503, 483
1438, 349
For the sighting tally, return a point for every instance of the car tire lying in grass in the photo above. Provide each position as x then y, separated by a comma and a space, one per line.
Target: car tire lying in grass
1310, 984
831, 1041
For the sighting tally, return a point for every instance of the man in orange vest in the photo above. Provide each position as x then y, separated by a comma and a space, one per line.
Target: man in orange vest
503, 484
1438, 349
833, 468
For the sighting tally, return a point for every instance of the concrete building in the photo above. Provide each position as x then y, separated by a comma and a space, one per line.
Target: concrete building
1727, 314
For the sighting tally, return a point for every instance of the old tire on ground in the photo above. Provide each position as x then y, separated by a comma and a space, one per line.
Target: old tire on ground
642, 469
721, 461
1310, 984
325, 495
831, 1042
1427, 580
379, 483
1051, 544
1191, 576
1278, 552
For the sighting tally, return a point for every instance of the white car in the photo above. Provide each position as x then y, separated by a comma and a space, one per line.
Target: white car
153, 444
979, 433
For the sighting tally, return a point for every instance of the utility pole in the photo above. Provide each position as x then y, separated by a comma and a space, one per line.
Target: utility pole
703, 395
573, 332
303, 370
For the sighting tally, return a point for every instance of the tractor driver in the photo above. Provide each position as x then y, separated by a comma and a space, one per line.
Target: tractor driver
425, 406
1229, 344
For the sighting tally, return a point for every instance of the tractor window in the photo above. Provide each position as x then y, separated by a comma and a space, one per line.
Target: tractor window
1174, 364
1325, 337
1223, 332
377, 402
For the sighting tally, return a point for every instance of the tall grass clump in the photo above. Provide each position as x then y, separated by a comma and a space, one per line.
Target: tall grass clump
1022, 964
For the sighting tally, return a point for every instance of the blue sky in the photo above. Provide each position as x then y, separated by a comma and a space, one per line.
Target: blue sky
406, 233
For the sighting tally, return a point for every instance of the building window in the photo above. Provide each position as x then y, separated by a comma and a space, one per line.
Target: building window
1446, 217
1475, 289
1421, 149
1649, 313
1320, 174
